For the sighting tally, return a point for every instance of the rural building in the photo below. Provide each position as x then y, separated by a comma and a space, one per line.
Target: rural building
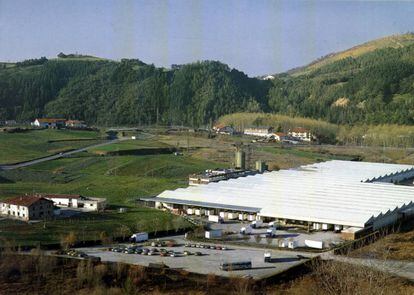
27, 208
280, 136
217, 175
301, 133
259, 131
76, 124
268, 77
8, 122
49, 123
76, 201
327, 195
222, 129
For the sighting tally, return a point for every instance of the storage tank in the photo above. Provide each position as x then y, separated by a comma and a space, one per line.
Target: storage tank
261, 166
240, 160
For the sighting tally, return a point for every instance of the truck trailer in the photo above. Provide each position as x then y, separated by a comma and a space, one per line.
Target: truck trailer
215, 218
256, 223
139, 237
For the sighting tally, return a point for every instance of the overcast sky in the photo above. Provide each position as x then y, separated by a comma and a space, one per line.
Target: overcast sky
257, 37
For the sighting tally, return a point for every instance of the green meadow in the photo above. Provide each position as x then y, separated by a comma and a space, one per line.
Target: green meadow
24, 146
120, 179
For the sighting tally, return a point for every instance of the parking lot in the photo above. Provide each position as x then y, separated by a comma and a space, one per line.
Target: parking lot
327, 237
209, 260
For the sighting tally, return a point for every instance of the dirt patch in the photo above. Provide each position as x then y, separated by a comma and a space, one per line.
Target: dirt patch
396, 246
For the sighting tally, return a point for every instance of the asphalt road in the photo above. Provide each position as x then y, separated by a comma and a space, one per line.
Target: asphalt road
56, 156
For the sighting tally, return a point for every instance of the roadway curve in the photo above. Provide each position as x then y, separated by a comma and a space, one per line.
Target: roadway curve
55, 156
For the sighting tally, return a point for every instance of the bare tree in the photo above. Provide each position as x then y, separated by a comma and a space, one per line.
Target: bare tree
69, 240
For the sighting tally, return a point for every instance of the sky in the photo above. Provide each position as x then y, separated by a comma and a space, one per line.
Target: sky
257, 37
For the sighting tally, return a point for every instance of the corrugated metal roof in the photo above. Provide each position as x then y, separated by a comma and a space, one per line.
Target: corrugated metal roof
328, 192
203, 204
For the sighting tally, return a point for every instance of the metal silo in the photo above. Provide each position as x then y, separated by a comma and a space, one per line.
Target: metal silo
240, 162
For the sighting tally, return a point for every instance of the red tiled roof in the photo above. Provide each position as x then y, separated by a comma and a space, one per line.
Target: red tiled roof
280, 134
46, 120
24, 200
60, 196
74, 122
219, 126
299, 130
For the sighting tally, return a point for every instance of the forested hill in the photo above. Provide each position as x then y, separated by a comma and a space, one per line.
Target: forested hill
373, 86
393, 41
128, 92
368, 84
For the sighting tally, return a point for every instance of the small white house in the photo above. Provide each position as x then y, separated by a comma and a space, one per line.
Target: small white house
259, 131
301, 134
49, 123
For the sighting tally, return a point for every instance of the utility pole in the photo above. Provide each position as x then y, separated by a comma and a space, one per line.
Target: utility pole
188, 140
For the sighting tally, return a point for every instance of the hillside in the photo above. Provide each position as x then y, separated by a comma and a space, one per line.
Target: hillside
362, 85
394, 41
369, 84
107, 92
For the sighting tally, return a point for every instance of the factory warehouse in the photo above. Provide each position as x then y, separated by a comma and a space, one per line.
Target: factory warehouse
327, 195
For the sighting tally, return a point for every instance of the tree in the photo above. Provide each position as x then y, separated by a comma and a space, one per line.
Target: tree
105, 238
124, 231
69, 240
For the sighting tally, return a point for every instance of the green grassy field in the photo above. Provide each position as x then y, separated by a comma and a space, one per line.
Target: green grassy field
301, 153
89, 226
120, 179
131, 145
16, 147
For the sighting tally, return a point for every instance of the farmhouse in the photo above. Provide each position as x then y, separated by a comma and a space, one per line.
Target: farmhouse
27, 208
334, 194
76, 201
301, 134
77, 124
259, 131
279, 136
223, 129
49, 123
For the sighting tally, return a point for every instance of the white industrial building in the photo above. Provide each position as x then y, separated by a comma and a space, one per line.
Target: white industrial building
333, 194
76, 201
